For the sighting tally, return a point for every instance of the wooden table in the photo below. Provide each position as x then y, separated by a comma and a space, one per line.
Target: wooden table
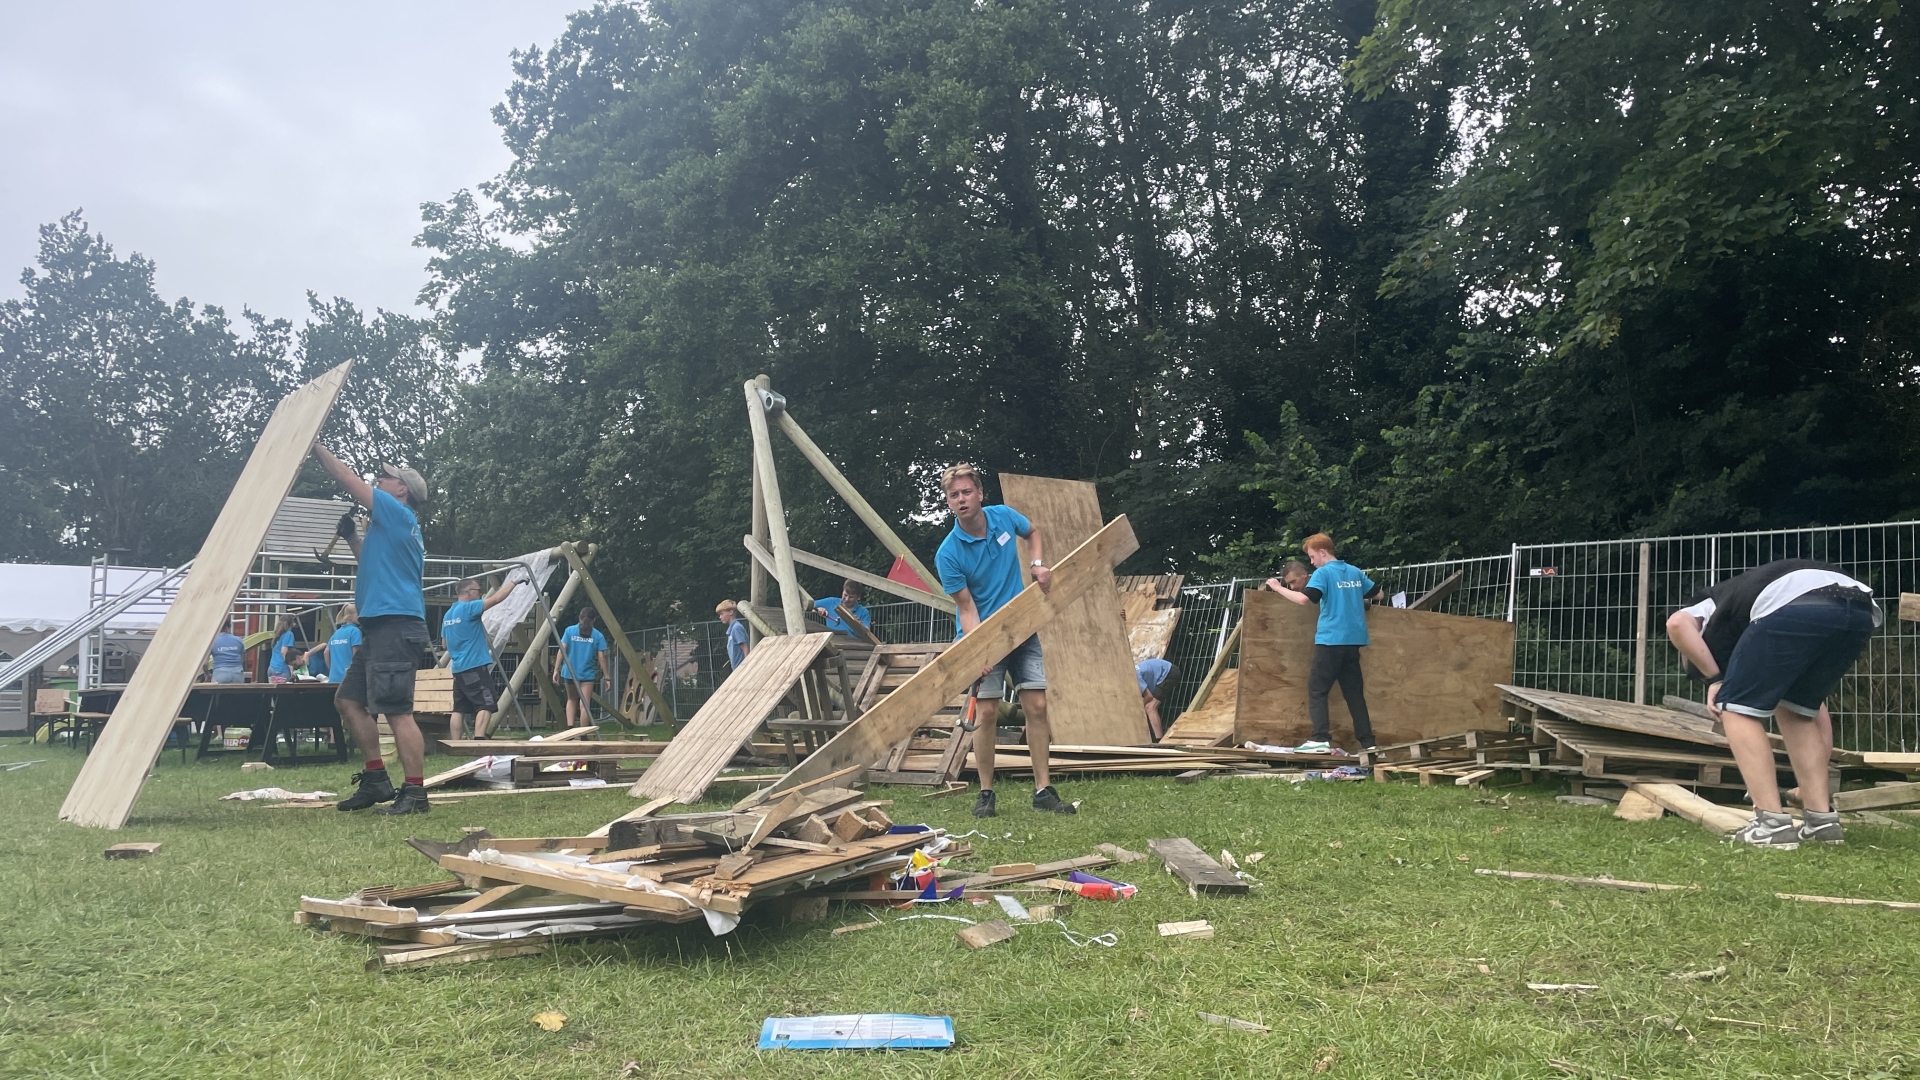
268, 709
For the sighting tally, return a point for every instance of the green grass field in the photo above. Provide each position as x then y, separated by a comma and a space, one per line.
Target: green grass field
1362, 948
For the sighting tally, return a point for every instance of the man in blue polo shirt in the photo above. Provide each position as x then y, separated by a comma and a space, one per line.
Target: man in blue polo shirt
1158, 680
1341, 590
979, 566
393, 628
469, 654
581, 662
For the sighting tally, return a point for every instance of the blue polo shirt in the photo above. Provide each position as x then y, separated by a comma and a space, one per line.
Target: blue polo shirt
736, 642
392, 560
1343, 609
986, 566
837, 613
583, 654
277, 664
229, 656
340, 650
465, 636
1151, 673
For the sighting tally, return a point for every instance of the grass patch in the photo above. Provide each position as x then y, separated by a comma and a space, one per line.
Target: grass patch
1363, 957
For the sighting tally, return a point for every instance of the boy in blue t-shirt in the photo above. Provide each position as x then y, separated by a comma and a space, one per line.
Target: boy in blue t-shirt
582, 660
979, 566
840, 610
343, 643
469, 654
1158, 680
739, 644
1341, 591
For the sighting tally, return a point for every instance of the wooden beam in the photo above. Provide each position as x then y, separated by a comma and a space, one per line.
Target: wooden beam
1708, 815
765, 561
897, 716
790, 601
113, 775
876, 581
638, 666
838, 480
1219, 665
756, 574
1447, 587
536, 653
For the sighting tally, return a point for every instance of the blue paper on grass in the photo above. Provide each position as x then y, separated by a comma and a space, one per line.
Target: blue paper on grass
857, 1031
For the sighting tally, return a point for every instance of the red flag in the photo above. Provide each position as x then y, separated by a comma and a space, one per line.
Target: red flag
904, 574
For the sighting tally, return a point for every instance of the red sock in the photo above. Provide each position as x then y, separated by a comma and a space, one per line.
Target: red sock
416, 780
376, 765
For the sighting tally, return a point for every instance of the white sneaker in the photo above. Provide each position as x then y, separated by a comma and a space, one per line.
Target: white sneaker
1314, 746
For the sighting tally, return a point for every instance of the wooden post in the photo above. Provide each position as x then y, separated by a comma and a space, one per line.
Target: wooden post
1640, 626
1219, 666
763, 559
937, 601
790, 603
757, 574
639, 666
865, 512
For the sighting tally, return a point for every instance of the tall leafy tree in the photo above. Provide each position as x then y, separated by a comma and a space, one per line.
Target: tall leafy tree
127, 416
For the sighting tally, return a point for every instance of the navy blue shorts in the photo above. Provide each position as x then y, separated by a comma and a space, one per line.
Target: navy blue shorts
1796, 656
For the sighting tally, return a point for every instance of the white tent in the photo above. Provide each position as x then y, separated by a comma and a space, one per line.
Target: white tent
35, 598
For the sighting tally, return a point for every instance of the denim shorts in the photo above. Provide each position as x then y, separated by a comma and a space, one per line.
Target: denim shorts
1796, 656
1022, 667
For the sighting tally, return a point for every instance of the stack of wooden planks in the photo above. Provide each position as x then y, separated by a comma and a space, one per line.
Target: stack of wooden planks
510, 895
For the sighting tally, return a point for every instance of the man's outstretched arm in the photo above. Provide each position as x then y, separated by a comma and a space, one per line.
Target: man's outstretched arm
343, 474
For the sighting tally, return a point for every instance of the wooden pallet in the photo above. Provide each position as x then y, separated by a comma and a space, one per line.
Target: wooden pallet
1477, 746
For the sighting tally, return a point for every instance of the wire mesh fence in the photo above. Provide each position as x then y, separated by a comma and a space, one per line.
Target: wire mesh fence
1581, 623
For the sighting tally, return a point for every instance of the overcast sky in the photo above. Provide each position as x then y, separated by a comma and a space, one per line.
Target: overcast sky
254, 151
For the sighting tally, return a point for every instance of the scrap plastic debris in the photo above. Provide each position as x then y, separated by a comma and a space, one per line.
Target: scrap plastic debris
1092, 887
550, 1021
1343, 772
278, 793
858, 1031
1269, 748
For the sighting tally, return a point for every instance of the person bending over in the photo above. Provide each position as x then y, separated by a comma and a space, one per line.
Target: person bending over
1158, 680
1775, 641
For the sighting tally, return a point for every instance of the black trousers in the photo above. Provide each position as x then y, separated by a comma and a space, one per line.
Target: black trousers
1341, 664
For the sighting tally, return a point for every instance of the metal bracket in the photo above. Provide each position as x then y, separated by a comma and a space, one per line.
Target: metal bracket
775, 404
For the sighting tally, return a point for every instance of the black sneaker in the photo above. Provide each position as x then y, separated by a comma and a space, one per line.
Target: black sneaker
984, 805
411, 800
375, 787
1050, 801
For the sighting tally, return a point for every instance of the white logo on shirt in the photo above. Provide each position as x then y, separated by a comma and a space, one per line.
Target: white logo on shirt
1004, 537
1347, 585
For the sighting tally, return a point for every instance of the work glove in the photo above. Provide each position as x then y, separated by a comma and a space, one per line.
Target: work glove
346, 529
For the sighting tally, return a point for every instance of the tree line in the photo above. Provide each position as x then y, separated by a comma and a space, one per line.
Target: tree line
1434, 276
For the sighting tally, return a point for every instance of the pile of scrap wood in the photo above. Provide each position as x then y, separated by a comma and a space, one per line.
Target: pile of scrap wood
510, 895
1149, 604
1595, 739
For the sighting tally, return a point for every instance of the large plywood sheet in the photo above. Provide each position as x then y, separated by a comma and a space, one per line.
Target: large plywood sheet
109, 783
1212, 723
1427, 674
1093, 695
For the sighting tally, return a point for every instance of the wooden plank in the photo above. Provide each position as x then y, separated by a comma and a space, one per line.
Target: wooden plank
1447, 587
1187, 862
109, 784
1040, 870
1910, 606
376, 913
741, 704
1594, 742
875, 581
1093, 694
1427, 674
485, 900
132, 851
550, 748
1212, 723
1216, 671
981, 935
1876, 797
1708, 815
1637, 807
1599, 883
882, 727
1848, 901
464, 953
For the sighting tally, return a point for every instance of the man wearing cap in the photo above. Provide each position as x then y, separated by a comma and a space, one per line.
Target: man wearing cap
393, 629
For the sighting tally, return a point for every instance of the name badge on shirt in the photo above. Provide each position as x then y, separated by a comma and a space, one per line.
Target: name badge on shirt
1004, 537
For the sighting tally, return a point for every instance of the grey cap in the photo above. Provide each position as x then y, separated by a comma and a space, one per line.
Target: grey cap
416, 484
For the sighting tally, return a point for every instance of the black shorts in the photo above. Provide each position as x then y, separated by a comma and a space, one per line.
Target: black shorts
392, 648
473, 691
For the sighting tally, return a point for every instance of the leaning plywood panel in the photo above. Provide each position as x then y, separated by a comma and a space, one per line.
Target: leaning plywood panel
1427, 674
109, 783
1212, 723
867, 739
1092, 693
736, 710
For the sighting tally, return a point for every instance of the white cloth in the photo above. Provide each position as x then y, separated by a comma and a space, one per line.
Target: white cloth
502, 617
